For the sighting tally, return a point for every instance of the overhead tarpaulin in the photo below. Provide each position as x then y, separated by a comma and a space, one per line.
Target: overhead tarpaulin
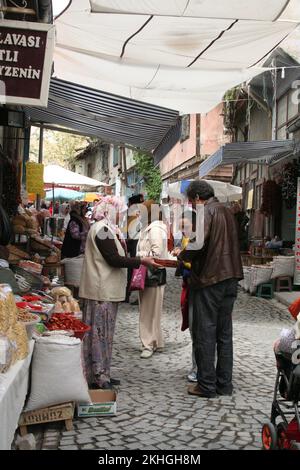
57, 175
63, 194
225, 192
111, 118
178, 54
269, 151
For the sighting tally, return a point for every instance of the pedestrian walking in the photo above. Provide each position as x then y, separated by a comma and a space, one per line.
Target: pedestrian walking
216, 269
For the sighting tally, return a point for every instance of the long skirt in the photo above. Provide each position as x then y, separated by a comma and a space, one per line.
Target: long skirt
98, 343
151, 304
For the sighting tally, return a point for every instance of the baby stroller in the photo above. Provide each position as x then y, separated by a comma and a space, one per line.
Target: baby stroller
281, 432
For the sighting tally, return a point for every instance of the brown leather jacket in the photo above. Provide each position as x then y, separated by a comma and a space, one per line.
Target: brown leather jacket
220, 258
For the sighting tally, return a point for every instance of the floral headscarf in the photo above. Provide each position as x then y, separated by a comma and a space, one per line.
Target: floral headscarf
108, 207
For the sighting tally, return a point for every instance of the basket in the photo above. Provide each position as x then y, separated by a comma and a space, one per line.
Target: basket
78, 333
34, 280
38, 247
30, 326
81, 333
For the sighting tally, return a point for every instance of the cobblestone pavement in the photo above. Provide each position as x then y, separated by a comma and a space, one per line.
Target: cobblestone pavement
154, 409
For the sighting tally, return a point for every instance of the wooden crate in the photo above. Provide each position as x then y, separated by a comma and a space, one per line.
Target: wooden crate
63, 412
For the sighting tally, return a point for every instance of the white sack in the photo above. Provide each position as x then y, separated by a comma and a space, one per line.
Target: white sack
57, 374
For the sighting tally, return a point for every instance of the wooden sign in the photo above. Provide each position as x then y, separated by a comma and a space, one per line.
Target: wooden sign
62, 412
26, 55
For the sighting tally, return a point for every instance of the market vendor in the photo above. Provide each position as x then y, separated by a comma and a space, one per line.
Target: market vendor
103, 286
76, 233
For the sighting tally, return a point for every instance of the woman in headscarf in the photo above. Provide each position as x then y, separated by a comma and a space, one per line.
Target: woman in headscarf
103, 285
76, 233
153, 242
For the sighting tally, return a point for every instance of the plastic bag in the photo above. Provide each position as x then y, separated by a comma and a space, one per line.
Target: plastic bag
138, 278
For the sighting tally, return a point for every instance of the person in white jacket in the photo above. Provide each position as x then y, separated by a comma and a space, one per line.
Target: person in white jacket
153, 242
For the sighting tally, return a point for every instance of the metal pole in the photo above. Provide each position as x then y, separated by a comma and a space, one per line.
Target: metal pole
41, 142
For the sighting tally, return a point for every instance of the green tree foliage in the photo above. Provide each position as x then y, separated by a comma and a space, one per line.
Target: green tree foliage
58, 148
152, 177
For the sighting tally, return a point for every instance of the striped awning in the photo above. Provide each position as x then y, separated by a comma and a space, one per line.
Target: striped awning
111, 118
266, 151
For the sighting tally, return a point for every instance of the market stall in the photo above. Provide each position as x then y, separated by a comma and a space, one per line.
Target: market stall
13, 391
40, 360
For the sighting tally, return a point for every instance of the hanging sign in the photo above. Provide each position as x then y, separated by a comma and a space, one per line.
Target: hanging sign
297, 238
26, 55
35, 178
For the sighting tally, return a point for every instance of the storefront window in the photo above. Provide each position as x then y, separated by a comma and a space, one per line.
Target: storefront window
287, 110
293, 107
185, 127
116, 156
281, 133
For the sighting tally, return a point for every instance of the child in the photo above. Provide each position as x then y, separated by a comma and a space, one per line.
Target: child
184, 270
289, 338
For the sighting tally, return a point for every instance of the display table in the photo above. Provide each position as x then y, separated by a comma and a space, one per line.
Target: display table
13, 391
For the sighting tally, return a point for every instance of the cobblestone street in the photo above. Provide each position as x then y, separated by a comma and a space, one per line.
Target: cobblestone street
154, 409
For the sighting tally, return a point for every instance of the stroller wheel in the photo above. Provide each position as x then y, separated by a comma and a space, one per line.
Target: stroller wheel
281, 436
269, 436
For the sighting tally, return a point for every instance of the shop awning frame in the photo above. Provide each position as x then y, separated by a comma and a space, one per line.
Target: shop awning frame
111, 118
260, 152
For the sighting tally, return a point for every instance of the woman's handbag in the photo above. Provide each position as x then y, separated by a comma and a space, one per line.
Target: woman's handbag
156, 277
138, 278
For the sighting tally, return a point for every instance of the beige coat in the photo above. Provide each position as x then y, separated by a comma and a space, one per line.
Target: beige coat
100, 281
154, 241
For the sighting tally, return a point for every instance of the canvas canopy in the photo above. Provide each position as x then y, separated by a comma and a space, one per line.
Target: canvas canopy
57, 175
174, 53
225, 192
63, 194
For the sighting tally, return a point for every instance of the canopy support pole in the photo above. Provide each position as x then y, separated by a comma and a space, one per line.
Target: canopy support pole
41, 143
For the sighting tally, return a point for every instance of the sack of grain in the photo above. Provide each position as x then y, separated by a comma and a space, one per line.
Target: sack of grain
259, 275
56, 373
283, 266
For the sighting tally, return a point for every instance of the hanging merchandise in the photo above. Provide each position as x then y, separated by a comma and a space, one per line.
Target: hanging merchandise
11, 189
271, 198
291, 171
5, 228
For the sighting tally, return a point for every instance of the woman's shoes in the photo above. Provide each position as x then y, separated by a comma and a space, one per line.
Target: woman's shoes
104, 386
146, 353
115, 381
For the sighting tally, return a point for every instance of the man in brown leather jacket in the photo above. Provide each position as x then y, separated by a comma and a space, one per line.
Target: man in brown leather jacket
216, 269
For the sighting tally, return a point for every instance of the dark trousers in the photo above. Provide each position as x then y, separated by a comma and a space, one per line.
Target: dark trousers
212, 327
131, 248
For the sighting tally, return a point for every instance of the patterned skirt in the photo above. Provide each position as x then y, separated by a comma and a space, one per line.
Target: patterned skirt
98, 342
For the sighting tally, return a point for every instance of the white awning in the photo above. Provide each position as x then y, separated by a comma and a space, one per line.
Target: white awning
225, 192
178, 54
57, 175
